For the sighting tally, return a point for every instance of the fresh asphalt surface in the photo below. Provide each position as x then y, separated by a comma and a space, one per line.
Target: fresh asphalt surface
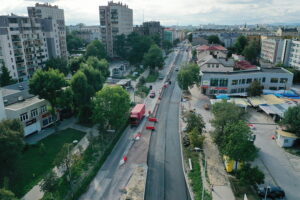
165, 178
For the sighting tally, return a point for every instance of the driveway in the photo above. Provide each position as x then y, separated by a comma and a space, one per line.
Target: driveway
283, 169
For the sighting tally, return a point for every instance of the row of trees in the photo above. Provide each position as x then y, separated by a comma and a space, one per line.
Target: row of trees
235, 139
188, 75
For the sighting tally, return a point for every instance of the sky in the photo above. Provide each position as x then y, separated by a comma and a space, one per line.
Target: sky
174, 12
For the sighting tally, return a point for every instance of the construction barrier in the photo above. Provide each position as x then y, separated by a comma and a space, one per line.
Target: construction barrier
152, 119
150, 127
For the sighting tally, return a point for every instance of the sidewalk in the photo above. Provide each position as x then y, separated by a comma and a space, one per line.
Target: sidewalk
215, 167
35, 193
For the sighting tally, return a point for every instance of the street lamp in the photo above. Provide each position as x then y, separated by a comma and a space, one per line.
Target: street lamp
267, 188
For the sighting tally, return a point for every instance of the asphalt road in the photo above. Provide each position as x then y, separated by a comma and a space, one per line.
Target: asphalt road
165, 178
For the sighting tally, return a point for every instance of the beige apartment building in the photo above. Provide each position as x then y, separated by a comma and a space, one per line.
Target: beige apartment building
115, 19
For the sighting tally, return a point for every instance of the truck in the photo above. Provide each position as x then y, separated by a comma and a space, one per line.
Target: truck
137, 114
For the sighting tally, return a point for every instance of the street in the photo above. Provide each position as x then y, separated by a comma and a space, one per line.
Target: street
165, 178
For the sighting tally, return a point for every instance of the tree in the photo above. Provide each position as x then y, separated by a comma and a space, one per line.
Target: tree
95, 48
175, 42
156, 39
74, 42
65, 100
166, 45
194, 121
138, 45
194, 54
237, 142
190, 37
250, 175
251, 52
196, 139
188, 76
213, 39
120, 46
94, 77
101, 65
240, 44
50, 182
58, 63
65, 159
5, 78
291, 119
224, 114
11, 145
111, 107
74, 64
7, 195
82, 95
154, 58
47, 85
255, 89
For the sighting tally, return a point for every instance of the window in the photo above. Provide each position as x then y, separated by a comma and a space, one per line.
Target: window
234, 82
281, 88
286, 141
243, 90
223, 82
274, 80
283, 80
217, 65
24, 117
43, 109
208, 65
249, 80
214, 82
233, 90
273, 88
264, 79
243, 81
34, 113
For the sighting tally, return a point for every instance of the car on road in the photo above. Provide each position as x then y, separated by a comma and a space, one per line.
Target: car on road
161, 77
152, 94
177, 69
271, 192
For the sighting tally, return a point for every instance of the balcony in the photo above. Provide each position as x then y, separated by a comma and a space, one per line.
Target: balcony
16, 39
19, 60
17, 47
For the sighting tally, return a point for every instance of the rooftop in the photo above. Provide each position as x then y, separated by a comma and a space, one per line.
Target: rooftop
243, 65
24, 104
211, 47
14, 93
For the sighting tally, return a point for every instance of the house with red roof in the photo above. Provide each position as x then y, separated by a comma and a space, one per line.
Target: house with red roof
243, 65
215, 50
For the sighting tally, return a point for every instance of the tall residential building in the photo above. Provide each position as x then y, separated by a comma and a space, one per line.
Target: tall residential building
115, 19
150, 29
23, 46
291, 53
86, 33
53, 24
271, 50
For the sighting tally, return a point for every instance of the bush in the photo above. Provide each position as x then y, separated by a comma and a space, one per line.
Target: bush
196, 139
250, 175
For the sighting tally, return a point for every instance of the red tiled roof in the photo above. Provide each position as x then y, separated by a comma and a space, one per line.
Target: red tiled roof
211, 48
243, 64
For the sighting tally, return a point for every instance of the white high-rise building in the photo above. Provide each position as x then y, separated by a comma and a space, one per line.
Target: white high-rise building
272, 50
23, 46
115, 19
53, 24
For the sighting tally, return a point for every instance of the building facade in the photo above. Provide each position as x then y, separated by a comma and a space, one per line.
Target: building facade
151, 28
239, 81
286, 32
272, 50
291, 54
115, 19
53, 25
23, 47
86, 33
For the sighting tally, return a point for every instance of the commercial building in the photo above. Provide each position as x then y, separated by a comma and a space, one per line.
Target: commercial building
272, 50
115, 19
86, 33
17, 103
53, 25
287, 32
23, 46
151, 28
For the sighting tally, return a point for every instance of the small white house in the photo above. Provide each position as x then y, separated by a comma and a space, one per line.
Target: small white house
285, 139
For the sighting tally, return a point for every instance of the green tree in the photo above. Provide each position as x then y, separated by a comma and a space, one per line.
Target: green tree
65, 100
74, 64
190, 37
64, 158
196, 139
138, 45
156, 39
101, 65
255, 89
154, 58
120, 46
240, 44
5, 78
74, 42
58, 63
94, 77
111, 107
11, 145
250, 175
291, 119
251, 52
194, 54
175, 42
95, 48
48, 85
82, 93
213, 39
237, 143
7, 195
194, 121
50, 182
166, 45
188, 76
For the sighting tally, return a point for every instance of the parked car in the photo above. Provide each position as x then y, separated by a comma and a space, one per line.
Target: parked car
161, 76
177, 69
152, 94
271, 192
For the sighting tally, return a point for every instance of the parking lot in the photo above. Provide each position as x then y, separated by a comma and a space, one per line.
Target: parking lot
280, 168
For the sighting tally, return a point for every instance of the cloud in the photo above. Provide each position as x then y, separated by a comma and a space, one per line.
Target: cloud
169, 12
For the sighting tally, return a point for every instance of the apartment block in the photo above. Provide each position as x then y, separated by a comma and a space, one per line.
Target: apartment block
291, 53
53, 25
272, 50
150, 29
23, 46
115, 19
86, 33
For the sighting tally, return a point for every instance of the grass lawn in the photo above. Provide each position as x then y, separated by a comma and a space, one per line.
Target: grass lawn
152, 77
35, 163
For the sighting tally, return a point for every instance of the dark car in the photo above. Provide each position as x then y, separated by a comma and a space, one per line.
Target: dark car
271, 192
